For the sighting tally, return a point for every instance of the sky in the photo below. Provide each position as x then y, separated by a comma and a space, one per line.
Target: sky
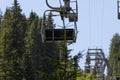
97, 22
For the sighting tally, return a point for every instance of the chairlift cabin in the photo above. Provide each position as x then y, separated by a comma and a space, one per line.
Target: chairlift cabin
61, 34
57, 34
52, 35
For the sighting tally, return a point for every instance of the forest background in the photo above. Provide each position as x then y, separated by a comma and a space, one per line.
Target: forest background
23, 56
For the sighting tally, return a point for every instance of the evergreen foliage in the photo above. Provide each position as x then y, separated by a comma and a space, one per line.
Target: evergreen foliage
0, 19
115, 54
49, 51
13, 27
49, 22
41, 54
65, 65
29, 71
114, 48
23, 56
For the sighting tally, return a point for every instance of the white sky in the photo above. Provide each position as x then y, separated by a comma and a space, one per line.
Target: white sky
97, 21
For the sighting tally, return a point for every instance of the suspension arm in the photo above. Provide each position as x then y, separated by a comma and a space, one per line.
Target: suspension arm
51, 6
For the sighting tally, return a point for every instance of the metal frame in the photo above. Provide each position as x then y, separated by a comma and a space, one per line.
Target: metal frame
63, 13
96, 62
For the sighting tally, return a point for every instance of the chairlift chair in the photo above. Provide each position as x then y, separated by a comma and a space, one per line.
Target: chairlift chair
64, 34
57, 34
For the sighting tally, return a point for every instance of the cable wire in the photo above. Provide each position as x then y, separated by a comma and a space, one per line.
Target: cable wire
89, 23
102, 24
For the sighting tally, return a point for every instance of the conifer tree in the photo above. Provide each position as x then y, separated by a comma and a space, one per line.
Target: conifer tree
17, 43
31, 47
114, 57
50, 22
5, 46
48, 52
114, 49
14, 27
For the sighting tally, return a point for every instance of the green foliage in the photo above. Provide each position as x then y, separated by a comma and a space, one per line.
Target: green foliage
114, 48
31, 47
66, 66
115, 53
0, 19
12, 43
23, 56
85, 77
49, 54
29, 73
41, 55
49, 21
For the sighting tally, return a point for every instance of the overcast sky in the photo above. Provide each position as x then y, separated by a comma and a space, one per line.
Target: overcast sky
97, 22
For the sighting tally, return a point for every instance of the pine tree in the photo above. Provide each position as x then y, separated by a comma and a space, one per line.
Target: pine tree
50, 22
115, 54
5, 46
14, 27
47, 52
17, 43
31, 47
114, 48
